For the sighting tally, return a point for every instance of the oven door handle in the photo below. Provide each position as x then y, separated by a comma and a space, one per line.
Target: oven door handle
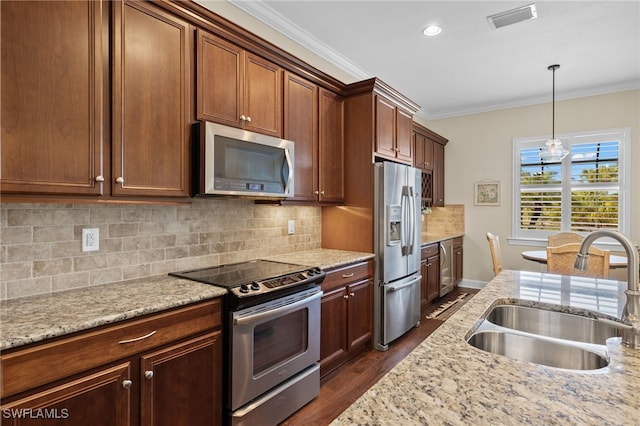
274, 313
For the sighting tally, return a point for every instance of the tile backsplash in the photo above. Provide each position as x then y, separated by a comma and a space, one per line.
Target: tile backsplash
448, 219
41, 249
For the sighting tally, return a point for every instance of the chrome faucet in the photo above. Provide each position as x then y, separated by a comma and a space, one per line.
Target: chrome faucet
631, 312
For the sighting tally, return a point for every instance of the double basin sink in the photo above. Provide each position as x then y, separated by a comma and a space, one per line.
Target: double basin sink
544, 336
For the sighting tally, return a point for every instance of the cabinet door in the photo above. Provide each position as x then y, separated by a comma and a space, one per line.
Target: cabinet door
100, 399
331, 148
433, 277
404, 147
54, 61
360, 313
152, 101
262, 96
457, 265
424, 281
220, 79
182, 384
438, 175
385, 138
301, 126
423, 157
333, 332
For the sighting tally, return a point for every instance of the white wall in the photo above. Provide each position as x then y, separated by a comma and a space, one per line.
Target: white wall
480, 147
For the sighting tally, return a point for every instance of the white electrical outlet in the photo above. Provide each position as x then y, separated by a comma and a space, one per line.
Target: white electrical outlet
90, 239
291, 227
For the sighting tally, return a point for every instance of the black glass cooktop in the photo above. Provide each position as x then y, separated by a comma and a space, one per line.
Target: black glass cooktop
236, 274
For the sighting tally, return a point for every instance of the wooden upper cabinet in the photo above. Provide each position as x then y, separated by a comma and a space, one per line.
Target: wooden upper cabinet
438, 175
54, 62
313, 119
429, 156
237, 88
151, 101
301, 126
331, 148
393, 138
404, 140
385, 139
423, 158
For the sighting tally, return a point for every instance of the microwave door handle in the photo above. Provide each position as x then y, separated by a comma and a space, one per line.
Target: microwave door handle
289, 165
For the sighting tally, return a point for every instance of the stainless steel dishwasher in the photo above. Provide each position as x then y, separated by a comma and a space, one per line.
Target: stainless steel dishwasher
446, 267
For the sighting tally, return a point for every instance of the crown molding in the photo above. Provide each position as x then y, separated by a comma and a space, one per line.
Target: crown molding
263, 13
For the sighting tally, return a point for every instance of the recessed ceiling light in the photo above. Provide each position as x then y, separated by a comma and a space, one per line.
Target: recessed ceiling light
432, 30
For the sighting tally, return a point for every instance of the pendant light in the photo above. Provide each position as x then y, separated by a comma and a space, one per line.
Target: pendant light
553, 150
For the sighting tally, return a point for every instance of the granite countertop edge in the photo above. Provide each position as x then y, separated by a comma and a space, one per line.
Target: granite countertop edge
427, 238
33, 319
444, 380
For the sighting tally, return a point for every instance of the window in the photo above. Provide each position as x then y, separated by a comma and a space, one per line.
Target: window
587, 190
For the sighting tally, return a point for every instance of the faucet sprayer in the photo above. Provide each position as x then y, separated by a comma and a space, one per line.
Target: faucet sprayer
631, 311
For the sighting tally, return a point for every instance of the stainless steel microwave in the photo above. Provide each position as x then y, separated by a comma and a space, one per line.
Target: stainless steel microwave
242, 163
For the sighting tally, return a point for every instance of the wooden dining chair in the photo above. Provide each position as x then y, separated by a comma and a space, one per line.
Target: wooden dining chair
496, 254
563, 238
560, 260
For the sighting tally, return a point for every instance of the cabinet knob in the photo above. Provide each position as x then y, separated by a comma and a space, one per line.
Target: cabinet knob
148, 374
352, 294
346, 296
120, 180
127, 384
316, 192
99, 178
243, 118
249, 119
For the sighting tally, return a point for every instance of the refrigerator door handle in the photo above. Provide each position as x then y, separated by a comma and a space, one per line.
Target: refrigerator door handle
412, 220
405, 221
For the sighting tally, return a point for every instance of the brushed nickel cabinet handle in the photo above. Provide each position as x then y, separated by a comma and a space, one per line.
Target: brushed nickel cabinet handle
348, 275
120, 180
99, 178
148, 374
249, 119
137, 339
127, 384
346, 296
243, 118
352, 294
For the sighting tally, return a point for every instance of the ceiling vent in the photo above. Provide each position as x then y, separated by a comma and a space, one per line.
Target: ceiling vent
513, 16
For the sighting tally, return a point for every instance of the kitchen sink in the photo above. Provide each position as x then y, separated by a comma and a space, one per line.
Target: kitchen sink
550, 323
544, 336
538, 351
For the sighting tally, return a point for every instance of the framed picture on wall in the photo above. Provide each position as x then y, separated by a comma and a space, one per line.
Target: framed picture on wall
487, 193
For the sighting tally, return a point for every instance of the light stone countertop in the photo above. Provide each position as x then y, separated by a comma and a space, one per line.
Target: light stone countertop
323, 258
36, 318
435, 237
447, 381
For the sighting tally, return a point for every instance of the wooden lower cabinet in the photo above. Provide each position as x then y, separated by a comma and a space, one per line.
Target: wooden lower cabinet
177, 383
98, 398
457, 260
430, 271
346, 315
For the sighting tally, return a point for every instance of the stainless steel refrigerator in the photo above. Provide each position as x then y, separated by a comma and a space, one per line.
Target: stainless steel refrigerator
397, 248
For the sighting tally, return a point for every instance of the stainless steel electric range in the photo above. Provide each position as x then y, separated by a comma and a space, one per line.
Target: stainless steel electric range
272, 324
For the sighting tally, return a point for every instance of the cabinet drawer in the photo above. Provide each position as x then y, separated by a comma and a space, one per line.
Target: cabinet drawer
343, 276
33, 366
428, 251
457, 242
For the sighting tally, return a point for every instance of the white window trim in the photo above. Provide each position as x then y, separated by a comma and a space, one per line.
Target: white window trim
623, 134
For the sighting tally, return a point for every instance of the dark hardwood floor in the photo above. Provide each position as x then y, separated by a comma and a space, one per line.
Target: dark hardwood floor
342, 387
